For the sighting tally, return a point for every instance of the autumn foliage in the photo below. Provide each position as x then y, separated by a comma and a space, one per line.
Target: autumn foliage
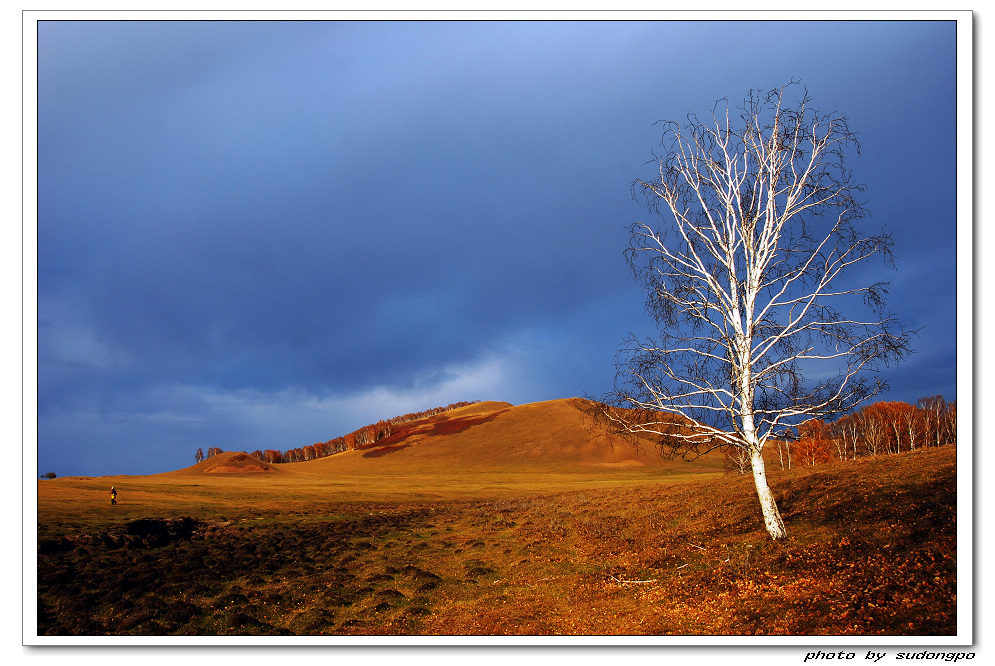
364, 437
886, 427
814, 444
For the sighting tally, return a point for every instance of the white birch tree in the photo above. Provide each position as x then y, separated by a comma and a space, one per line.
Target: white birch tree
934, 408
760, 326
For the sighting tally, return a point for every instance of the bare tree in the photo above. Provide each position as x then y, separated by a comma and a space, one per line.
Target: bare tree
872, 430
737, 460
912, 421
783, 447
840, 442
933, 407
748, 284
950, 422
850, 430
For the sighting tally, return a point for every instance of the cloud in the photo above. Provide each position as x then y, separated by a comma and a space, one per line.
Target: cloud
298, 415
76, 345
255, 233
169, 421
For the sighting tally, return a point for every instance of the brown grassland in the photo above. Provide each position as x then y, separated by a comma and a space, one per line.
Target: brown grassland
501, 520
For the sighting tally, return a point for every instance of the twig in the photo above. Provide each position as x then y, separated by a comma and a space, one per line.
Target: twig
683, 565
698, 547
631, 582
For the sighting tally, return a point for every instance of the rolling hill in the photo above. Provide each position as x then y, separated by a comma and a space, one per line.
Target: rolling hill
554, 435
483, 450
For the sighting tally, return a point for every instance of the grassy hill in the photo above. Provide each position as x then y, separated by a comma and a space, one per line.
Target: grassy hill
502, 520
489, 449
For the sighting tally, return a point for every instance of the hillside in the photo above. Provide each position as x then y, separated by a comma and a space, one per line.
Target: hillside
483, 450
552, 434
229, 462
871, 550
488, 436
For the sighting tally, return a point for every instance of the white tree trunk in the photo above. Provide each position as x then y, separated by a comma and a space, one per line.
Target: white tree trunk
743, 286
772, 517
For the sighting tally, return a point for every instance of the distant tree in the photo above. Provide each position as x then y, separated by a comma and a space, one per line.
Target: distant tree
873, 429
257, 454
813, 446
757, 321
783, 452
199, 455
735, 459
839, 441
350, 441
847, 430
937, 422
950, 423
213, 451
48, 475
365, 436
906, 424
914, 424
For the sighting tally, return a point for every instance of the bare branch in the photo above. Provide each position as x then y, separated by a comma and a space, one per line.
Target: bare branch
746, 284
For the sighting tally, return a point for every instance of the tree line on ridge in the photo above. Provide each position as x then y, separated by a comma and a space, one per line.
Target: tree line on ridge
357, 439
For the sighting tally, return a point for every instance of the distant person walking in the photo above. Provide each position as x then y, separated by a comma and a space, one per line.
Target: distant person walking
113, 495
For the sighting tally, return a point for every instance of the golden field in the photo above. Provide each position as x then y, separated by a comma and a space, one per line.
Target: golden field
500, 519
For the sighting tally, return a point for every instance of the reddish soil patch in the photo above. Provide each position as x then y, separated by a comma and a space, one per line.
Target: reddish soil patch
400, 433
384, 450
430, 427
453, 426
237, 463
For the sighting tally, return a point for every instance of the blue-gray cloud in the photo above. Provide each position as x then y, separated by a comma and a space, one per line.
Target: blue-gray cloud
324, 211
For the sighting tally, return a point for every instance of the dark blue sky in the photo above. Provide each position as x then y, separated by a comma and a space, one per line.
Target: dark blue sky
261, 235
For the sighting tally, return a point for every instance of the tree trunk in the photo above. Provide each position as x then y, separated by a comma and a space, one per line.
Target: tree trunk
772, 517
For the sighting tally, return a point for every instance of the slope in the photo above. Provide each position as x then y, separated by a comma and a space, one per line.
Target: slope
871, 550
555, 436
484, 450
230, 462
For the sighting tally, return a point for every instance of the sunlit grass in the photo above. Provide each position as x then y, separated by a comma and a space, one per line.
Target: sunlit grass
675, 558
467, 535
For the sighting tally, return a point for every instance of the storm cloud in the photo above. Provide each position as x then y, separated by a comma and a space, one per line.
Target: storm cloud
265, 234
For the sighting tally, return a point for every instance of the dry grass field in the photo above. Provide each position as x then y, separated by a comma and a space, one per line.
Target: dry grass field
486, 450
496, 519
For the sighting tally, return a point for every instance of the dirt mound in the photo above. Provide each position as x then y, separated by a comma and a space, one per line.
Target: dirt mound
141, 533
553, 436
232, 463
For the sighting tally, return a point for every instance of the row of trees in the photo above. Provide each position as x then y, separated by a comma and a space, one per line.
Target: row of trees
886, 427
211, 452
365, 436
